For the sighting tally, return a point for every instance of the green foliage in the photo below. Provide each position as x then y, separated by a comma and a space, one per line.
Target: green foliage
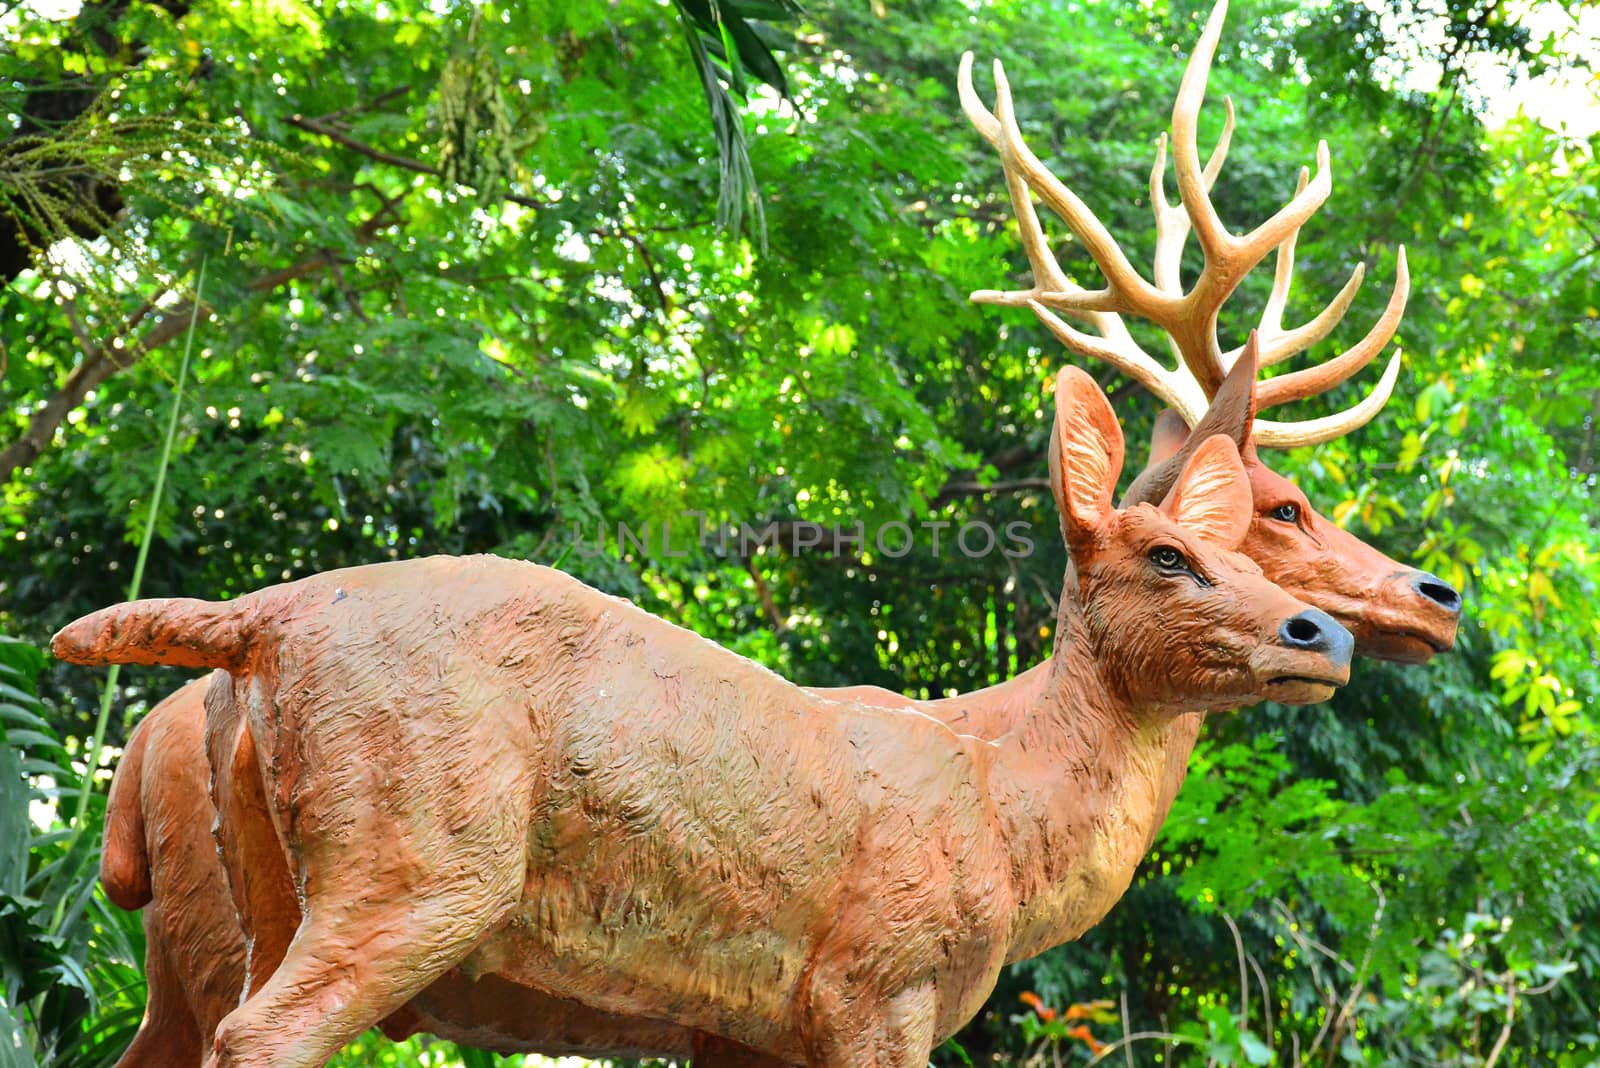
1391, 878
475, 144
468, 292
69, 962
729, 45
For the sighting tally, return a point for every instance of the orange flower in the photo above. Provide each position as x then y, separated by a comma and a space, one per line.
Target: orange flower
1087, 1010
1034, 1002
1083, 1034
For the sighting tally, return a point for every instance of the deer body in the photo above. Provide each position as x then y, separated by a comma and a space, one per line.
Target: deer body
484, 764
661, 826
713, 888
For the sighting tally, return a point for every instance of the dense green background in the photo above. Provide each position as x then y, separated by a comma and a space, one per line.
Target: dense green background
538, 282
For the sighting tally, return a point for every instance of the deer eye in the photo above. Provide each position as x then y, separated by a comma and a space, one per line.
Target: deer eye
1167, 558
1287, 513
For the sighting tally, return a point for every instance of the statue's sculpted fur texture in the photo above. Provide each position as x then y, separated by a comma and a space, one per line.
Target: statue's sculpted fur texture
196, 949
484, 764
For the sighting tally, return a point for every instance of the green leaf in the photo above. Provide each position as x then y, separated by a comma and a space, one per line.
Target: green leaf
1255, 1050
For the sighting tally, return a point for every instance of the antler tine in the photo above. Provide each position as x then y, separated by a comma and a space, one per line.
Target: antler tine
1234, 254
1048, 276
1125, 289
1047, 273
972, 104
1172, 221
1220, 152
1128, 358
1272, 434
1228, 257
1286, 343
1254, 246
1311, 381
1277, 344
1170, 234
1213, 236
1282, 273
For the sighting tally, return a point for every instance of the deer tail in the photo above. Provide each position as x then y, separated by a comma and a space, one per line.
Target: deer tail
124, 859
179, 631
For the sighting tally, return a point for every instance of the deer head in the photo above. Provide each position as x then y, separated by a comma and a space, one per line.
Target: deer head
1174, 618
1396, 612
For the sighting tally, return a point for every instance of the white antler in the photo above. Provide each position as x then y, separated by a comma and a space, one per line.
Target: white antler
1189, 319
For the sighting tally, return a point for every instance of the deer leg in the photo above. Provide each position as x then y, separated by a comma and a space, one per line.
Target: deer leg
168, 1035
402, 875
848, 1030
714, 1051
259, 880
364, 948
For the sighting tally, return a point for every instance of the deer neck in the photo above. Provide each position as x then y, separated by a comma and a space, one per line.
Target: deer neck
1082, 785
994, 711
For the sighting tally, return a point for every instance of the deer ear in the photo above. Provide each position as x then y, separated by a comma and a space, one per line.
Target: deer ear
1232, 412
1085, 456
1168, 436
1212, 496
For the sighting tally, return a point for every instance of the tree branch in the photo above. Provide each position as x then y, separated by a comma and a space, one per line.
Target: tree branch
764, 592
338, 136
103, 361
1510, 979
961, 488
366, 105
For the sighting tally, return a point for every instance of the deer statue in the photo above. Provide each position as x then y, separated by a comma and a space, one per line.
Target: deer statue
159, 852
482, 764
160, 855
1397, 613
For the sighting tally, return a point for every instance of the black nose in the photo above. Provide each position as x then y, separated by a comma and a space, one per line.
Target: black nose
1437, 590
1317, 632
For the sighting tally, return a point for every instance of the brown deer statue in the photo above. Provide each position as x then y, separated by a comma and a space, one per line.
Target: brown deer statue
159, 852
486, 765
1396, 613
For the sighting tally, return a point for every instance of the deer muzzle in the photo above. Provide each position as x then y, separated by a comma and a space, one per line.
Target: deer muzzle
1306, 659
1412, 618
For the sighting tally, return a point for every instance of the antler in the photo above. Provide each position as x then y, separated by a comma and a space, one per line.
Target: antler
1189, 319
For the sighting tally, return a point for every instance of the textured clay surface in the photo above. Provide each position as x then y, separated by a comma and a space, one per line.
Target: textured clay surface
159, 855
485, 765
507, 1017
